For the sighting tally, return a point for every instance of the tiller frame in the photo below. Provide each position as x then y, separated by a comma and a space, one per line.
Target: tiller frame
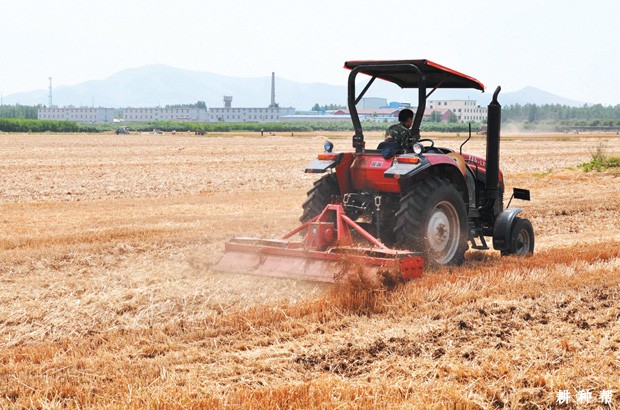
327, 252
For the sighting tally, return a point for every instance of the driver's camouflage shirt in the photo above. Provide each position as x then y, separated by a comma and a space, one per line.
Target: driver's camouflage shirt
400, 134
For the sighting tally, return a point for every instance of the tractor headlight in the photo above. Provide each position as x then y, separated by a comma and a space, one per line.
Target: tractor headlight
328, 146
418, 148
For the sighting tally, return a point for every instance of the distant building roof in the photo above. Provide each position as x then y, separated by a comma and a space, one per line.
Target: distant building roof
442, 111
388, 112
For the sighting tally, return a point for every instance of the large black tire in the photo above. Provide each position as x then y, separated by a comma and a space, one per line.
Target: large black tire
521, 238
320, 196
432, 219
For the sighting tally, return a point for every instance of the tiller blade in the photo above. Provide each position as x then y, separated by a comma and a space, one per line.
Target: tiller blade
326, 253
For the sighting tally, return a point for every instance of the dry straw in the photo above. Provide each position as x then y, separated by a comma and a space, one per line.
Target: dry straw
107, 300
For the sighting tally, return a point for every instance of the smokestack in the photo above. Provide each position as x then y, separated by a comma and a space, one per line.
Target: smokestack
494, 120
273, 89
50, 95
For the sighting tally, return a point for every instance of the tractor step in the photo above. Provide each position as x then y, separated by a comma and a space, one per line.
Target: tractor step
482, 247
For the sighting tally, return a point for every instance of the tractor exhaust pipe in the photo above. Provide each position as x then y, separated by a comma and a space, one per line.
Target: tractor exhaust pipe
494, 120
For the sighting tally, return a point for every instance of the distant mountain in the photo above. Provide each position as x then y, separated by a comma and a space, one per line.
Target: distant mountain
527, 95
155, 85
160, 85
536, 96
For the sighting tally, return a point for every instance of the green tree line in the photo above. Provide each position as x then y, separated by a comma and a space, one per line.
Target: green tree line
19, 111
268, 127
555, 114
199, 104
327, 107
28, 125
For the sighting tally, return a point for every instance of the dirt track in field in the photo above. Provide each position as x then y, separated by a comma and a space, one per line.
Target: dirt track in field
106, 297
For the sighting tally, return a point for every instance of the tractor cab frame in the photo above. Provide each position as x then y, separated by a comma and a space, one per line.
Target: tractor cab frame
420, 74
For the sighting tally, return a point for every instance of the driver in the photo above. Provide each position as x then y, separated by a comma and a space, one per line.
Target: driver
401, 132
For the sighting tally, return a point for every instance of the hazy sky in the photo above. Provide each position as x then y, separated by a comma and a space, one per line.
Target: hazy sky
570, 48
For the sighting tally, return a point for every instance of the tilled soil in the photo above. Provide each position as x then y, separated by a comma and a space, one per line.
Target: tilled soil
108, 300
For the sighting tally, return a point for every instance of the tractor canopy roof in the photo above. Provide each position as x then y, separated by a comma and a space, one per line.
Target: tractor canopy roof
395, 71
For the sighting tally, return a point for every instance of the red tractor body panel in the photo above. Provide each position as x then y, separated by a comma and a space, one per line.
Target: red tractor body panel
367, 174
479, 165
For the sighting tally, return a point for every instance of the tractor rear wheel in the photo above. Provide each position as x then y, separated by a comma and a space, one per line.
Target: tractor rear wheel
432, 219
320, 196
521, 238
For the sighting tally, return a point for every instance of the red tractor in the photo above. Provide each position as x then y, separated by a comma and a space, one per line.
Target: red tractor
426, 199
422, 202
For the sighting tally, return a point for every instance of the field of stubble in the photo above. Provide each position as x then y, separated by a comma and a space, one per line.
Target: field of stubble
106, 299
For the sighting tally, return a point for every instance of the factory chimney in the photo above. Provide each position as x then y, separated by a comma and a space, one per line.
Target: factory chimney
273, 90
50, 95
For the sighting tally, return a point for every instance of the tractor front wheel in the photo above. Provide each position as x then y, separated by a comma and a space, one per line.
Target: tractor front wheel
521, 238
432, 219
320, 196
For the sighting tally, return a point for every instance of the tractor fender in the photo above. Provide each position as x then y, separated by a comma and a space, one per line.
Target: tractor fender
405, 167
324, 162
407, 172
340, 163
503, 227
404, 170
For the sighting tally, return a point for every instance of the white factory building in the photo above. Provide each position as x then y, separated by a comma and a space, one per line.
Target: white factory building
228, 113
242, 114
165, 114
465, 110
82, 114
148, 114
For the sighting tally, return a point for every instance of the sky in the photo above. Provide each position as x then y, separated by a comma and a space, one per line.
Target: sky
569, 48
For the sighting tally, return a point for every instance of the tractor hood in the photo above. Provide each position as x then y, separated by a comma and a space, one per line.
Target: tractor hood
437, 76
